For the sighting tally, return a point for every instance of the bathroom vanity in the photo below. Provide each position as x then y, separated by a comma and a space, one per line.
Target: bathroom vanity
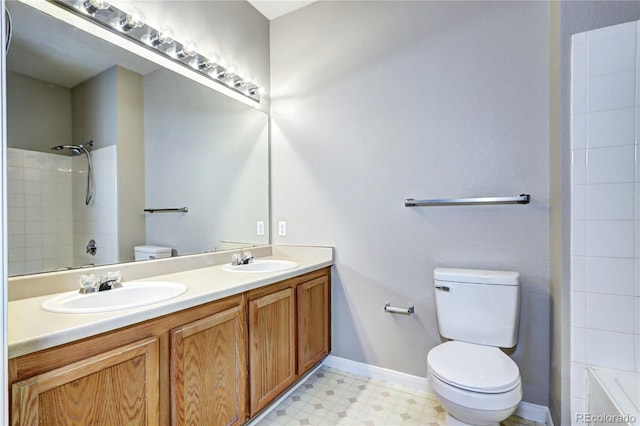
215, 355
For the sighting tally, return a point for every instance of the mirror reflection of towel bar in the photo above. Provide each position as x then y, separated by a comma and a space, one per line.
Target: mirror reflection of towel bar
520, 199
174, 210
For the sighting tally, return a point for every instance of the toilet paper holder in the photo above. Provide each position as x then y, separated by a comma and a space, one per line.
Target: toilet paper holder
395, 310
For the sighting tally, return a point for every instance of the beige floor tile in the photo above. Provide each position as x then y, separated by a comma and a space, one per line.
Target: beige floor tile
331, 397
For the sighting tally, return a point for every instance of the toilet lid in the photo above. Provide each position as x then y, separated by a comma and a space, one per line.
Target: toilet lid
473, 367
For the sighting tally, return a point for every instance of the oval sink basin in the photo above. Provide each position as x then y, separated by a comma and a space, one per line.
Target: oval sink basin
130, 295
262, 265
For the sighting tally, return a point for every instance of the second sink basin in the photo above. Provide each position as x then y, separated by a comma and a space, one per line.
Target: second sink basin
130, 295
262, 265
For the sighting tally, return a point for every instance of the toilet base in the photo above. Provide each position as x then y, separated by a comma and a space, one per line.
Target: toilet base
449, 420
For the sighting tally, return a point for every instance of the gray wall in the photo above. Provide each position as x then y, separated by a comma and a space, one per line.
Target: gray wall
38, 113
374, 102
210, 153
131, 219
576, 17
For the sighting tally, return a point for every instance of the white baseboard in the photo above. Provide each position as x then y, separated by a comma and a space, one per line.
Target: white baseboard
534, 412
525, 410
378, 373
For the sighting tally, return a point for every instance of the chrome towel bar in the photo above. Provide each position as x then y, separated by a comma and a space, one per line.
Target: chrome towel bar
520, 199
174, 210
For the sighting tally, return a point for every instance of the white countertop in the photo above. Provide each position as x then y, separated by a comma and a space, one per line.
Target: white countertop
32, 329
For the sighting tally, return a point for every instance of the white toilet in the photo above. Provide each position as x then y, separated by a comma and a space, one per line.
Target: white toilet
479, 310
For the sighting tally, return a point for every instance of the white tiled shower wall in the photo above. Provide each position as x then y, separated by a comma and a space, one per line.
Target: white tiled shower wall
39, 211
605, 204
49, 225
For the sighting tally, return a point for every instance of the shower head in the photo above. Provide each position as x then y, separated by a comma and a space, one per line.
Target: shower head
78, 150
75, 149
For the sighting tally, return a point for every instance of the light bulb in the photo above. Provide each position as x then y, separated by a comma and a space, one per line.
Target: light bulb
164, 35
94, 6
208, 61
133, 19
187, 50
257, 90
231, 69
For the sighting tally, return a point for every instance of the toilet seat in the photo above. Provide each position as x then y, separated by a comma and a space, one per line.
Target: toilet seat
473, 367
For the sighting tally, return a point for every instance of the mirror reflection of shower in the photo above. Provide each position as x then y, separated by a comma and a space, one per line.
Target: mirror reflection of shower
78, 150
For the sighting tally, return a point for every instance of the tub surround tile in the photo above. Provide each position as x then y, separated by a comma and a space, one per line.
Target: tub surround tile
578, 273
610, 349
604, 60
608, 275
578, 309
610, 165
610, 312
610, 239
578, 345
605, 270
578, 167
610, 201
610, 128
611, 91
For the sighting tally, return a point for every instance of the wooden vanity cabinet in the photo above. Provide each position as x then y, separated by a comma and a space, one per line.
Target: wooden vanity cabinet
213, 364
150, 373
120, 386
289, 325
272, 345
209, 370
314, 322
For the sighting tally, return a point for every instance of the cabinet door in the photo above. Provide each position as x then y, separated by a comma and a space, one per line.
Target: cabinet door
118, 387
271, 346
313, 322
209, 370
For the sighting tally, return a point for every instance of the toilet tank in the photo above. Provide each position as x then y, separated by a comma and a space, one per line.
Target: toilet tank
151, 252
478, 306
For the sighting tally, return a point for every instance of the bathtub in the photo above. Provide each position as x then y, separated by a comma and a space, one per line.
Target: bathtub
614, 398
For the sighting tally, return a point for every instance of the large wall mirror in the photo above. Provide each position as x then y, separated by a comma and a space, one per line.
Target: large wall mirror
96, 135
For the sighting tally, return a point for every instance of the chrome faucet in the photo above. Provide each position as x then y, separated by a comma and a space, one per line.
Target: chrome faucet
111, 281
89, 283
242, 258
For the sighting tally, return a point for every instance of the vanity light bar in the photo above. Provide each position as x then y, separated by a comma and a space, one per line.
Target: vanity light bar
131, 25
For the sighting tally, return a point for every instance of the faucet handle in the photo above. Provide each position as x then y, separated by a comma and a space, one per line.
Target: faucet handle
114, 276
236, 259
88, 283
247, 257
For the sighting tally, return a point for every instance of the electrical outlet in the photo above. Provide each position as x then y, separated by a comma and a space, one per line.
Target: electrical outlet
282, 228
260, 227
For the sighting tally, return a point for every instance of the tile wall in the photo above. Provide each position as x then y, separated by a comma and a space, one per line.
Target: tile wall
49, 225
605, 205
99, 220
40, 231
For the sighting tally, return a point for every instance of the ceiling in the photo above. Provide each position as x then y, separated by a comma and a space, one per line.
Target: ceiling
272, 9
